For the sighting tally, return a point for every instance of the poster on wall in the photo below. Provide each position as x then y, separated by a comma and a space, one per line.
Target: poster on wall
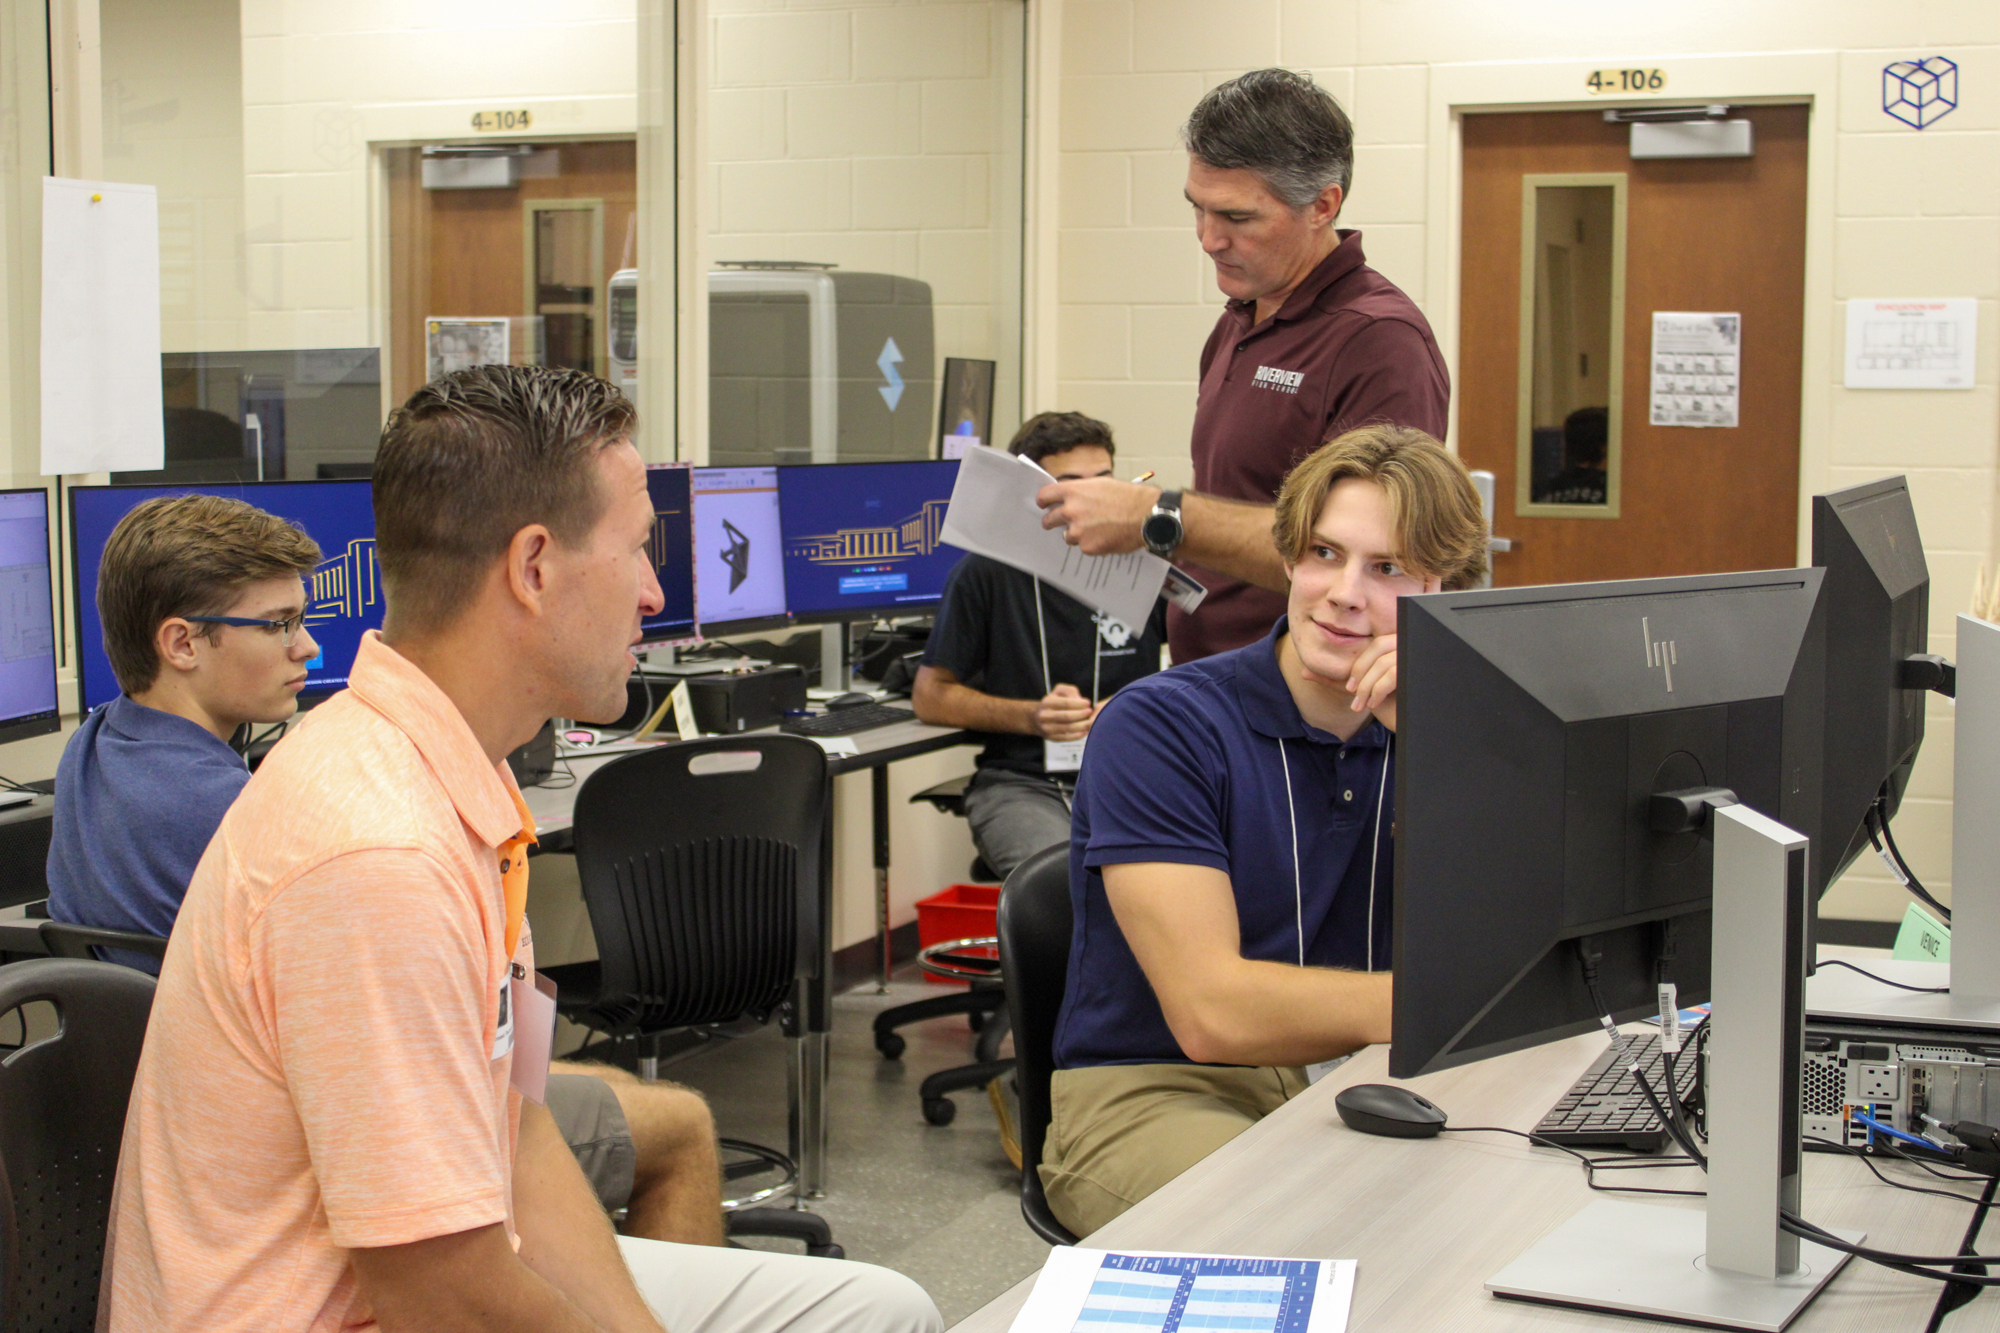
1912, 343
1697, 357
101, 405
459, 344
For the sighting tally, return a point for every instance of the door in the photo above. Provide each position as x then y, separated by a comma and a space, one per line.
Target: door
533, 237
1570, 247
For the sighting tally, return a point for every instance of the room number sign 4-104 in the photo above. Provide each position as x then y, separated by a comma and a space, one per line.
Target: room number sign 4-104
1626, 80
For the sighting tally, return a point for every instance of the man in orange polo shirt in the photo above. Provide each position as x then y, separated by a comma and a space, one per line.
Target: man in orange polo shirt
322, 1133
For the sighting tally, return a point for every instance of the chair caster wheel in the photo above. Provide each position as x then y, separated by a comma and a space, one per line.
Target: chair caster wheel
891, 1044
940, 1110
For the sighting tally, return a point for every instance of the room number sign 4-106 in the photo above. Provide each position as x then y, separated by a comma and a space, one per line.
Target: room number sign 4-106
1626, 80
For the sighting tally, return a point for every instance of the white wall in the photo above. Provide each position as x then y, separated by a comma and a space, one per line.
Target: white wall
323, 82
1893, 212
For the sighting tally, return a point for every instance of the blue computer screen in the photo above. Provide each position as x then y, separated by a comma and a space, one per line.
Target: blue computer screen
862, 538
343, 595
673, 553
27, 609
739, 570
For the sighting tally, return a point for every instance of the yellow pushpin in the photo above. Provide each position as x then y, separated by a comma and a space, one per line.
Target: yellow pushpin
97, 199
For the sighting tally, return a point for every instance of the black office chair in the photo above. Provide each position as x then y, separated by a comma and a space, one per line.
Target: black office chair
64, 939
1035, 928
983, 1001
700, 866
62, 1116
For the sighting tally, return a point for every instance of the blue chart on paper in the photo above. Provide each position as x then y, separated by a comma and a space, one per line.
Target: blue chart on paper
1158, 1294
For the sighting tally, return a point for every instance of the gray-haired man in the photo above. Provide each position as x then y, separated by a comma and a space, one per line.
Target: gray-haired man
1312, 343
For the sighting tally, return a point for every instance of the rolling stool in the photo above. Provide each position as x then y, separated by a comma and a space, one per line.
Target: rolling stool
977, 963
983, 1002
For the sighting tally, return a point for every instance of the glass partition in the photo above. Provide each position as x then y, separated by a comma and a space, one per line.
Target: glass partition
865, 162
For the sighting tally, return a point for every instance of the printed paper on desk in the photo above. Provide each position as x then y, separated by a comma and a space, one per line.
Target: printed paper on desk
1150, 1289
993, 513
101, 403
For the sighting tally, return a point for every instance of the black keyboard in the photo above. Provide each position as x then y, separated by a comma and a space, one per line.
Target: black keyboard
1606, 1109
847, 721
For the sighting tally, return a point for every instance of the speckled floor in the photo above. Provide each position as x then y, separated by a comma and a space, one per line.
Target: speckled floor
939, 1204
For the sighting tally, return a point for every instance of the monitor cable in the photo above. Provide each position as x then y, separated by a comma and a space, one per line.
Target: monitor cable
1921, 990
1877, 824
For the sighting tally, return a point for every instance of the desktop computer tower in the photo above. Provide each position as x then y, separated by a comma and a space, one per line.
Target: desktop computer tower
817, 365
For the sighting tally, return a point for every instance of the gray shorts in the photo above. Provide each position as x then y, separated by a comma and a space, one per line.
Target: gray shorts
587, 1113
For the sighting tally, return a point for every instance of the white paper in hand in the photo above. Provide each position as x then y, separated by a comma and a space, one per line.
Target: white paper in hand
993, 513
101, 398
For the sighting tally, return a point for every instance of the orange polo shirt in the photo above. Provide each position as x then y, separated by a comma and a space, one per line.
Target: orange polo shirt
320, 1071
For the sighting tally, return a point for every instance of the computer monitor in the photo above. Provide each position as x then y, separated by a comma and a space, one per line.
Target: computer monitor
344, 594
27, 618
862, 539
1877, 616
739, 566
672, 549
1535, 727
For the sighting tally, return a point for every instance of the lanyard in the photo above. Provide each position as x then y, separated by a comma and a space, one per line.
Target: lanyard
1374, 850
1096, 651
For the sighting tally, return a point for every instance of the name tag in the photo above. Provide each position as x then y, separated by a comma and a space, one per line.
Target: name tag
1062, 756
503, 1031
1314, 1073
533, 1004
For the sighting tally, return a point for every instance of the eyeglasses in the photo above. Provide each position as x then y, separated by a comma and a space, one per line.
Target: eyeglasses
287, 628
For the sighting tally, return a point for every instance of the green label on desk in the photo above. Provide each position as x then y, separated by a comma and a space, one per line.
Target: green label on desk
1923, 938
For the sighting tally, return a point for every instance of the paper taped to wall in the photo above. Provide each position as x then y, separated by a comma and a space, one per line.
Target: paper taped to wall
993, 513
102, 409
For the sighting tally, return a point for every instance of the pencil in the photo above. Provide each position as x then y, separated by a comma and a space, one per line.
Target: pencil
1143, 476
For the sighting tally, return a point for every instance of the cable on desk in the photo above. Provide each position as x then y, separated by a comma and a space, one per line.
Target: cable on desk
1867, 1160
1921, 990
1592, 1165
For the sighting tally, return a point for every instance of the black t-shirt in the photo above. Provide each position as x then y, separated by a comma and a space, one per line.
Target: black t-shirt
986, 636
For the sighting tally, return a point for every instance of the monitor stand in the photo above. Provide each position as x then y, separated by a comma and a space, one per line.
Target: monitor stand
1728, 1265
833, 656
1973, 1002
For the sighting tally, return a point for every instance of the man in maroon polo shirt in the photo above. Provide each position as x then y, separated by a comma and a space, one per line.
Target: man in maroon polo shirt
1312, 343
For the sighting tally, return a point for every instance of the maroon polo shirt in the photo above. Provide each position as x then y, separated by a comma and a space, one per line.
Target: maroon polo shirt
1345, 349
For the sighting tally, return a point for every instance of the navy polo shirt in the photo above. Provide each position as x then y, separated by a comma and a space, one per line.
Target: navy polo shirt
1190, 766
139, 793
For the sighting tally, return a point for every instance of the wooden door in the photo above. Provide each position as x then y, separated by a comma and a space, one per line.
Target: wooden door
463, 252
1700, 234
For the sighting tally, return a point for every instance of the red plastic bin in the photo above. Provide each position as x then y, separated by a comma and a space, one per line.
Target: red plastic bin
957, 912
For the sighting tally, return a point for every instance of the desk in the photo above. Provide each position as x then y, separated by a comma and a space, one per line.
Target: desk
554, 811
1430, 1220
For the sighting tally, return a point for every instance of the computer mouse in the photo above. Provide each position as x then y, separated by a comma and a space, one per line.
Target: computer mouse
1379, 1108
852, 699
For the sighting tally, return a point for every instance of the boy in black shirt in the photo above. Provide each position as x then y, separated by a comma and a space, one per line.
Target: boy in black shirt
1029, 666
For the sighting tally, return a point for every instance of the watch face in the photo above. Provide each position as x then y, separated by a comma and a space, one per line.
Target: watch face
1161, 529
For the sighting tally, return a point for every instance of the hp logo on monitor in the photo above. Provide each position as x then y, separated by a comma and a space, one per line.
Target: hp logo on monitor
1659, 652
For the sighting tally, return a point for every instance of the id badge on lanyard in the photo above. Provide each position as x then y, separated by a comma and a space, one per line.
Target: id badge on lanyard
1062, 756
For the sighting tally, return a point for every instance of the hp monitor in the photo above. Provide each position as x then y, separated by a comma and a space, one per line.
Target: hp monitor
672, 550
1877, 619
739, 567
1537, 728
343, 595
862, 539
27, 618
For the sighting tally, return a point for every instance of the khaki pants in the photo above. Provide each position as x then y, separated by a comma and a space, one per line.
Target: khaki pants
1119, 1132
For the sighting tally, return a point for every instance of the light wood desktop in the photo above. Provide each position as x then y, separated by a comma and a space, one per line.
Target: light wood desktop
1430, 1220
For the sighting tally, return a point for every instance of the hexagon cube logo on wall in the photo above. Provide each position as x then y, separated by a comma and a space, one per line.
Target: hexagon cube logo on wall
1920, 92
